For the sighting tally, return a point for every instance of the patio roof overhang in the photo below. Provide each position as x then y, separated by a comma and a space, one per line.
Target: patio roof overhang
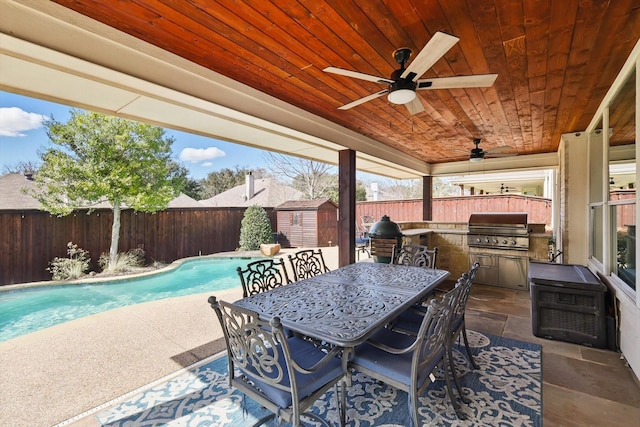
40, 57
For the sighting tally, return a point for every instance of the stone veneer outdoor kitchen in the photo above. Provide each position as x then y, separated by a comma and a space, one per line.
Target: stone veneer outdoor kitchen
451, 240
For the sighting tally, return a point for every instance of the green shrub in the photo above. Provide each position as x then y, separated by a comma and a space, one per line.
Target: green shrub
255, 229
76, 265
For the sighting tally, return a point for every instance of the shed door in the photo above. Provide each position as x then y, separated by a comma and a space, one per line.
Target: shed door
296, 237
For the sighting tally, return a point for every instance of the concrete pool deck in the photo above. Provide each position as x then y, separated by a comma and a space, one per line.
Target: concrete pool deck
56, 374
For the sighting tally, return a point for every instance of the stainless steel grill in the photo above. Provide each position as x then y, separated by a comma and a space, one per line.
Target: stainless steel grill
498, 231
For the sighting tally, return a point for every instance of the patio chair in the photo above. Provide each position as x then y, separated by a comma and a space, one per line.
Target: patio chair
284, 374
382, 247
407, 362
307, 263
409, 321
362, 241
415, 255
262, 275
366, 222
458, 326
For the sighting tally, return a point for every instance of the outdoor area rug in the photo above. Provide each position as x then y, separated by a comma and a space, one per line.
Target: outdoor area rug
505, 391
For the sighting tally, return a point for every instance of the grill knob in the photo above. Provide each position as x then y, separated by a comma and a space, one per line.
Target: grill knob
486, 240
513, 242
495, 241
504, 242
478, 240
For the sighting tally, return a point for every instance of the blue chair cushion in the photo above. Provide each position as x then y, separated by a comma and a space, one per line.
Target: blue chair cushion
306, 355
394, 366
409, 320
362, 240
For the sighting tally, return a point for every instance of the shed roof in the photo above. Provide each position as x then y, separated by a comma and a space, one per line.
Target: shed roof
305, 204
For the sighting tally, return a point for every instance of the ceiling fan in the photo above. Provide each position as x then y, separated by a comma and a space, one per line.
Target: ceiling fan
404, 81
478, 154
507, 189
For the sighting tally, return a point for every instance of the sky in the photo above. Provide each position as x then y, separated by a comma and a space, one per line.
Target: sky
22, 137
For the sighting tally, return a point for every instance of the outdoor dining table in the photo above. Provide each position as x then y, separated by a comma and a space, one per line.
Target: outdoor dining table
345, 306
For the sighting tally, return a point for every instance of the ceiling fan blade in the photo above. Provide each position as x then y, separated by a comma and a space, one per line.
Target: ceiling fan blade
415, 106
357, 75
363, 100
498, 149
478, 80
435, 49
496, 155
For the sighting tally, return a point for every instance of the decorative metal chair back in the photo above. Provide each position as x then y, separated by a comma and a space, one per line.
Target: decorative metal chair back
271, 366
416, 255
457, 319
307, 263
432, 334
262, 275
382, 247
464, 296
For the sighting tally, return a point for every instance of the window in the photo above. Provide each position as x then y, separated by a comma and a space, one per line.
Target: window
597, 239
622, 176
297, 218
623, 217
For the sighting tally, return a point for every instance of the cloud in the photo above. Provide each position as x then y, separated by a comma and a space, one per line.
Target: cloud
196, 155
14, 121
207, 164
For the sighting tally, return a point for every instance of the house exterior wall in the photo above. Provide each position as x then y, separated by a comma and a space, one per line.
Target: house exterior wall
574, 207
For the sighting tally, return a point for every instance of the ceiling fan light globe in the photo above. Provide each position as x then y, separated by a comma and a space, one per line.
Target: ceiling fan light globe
401, 96
475, 159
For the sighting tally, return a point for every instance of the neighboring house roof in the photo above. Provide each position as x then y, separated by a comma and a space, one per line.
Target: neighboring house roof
184, 201
12, 196
267, 193
304, 204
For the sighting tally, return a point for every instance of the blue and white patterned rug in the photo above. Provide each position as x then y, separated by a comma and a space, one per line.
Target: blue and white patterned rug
505, 391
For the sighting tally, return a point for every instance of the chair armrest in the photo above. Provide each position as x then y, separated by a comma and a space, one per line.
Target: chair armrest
328, 357
387, 340
391, 350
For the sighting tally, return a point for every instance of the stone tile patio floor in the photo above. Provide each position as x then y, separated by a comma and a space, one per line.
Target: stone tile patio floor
54, 375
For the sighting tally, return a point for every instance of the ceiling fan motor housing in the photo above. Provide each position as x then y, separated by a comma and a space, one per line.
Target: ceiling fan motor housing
405, 88
476, 154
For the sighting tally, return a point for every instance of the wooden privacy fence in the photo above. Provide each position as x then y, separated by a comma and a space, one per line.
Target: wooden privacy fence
458, 209
29, 240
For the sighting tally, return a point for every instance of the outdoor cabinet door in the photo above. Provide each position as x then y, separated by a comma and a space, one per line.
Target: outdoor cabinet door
487, 273
513, 272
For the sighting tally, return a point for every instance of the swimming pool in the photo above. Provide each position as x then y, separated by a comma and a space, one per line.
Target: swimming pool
30, 309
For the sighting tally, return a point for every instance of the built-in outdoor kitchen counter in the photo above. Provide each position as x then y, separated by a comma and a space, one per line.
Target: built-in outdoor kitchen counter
455, 255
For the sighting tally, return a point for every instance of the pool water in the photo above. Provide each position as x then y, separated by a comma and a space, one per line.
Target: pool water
27, 310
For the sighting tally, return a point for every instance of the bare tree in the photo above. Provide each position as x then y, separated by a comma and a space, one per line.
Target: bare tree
314, 179
23, 168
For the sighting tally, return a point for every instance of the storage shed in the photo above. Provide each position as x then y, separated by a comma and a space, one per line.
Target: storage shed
307, 223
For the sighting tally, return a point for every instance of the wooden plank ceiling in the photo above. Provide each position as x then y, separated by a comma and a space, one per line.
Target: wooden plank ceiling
555, 60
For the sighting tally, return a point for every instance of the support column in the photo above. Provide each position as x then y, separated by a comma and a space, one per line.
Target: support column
427, 198
346, 207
